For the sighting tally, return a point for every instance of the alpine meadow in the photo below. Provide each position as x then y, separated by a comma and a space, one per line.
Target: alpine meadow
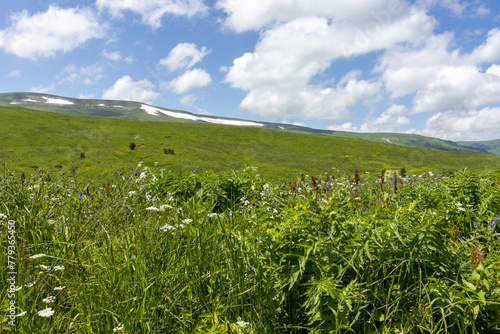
250, 167
205, 228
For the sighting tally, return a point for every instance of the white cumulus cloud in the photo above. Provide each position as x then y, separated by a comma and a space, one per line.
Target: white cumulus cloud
443, 78
127, 89
278, 74
184, 55
257, 14
194, 78
152, 11
46, 33
463, 125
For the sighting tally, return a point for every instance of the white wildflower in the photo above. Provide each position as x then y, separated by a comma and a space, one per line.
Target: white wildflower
118, 328
48, 312
187, 221
44, 267
58, 268
59, 287
243, 323
166, 228
265, 186
36, 256
152, 208
163, 207
133, 192
212, 214
49, 299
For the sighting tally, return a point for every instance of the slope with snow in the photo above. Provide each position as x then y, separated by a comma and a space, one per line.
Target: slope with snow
155, 111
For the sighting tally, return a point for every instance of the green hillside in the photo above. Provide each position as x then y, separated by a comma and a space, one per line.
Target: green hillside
86, 147
133, 111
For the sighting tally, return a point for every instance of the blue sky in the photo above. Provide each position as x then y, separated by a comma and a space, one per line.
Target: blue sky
425, 66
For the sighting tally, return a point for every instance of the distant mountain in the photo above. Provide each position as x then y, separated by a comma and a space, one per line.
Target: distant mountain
144, 112
490, 146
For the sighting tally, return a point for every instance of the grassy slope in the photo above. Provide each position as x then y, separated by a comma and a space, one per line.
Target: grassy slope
35, 139
131, 110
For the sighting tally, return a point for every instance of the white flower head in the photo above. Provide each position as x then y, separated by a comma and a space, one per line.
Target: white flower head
21, 314
243, 323
118, 328
58, 268
187, 221
44, 267
212, 214
152, 208
36, 256
166, 228
164, 207
59, 287
49, 299
48, 312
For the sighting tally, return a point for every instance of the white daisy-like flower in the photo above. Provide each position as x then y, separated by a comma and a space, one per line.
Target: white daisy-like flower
163, 207
59, 287
44, 267
58, 268
152, 208
187, 221
212, 214
166, 228
243, 323
118, 328
36, 256
49, 299
48, 312
130, 193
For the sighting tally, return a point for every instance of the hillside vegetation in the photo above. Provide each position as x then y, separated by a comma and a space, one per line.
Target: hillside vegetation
234, 253
95, 148
135, 111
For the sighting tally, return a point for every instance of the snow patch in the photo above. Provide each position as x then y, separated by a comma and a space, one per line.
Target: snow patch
155, 111
56, 101
28, 100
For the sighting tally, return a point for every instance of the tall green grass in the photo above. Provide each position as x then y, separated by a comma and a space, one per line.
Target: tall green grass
236, 253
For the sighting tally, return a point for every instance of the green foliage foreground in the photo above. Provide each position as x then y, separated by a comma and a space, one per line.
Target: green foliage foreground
232, 253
